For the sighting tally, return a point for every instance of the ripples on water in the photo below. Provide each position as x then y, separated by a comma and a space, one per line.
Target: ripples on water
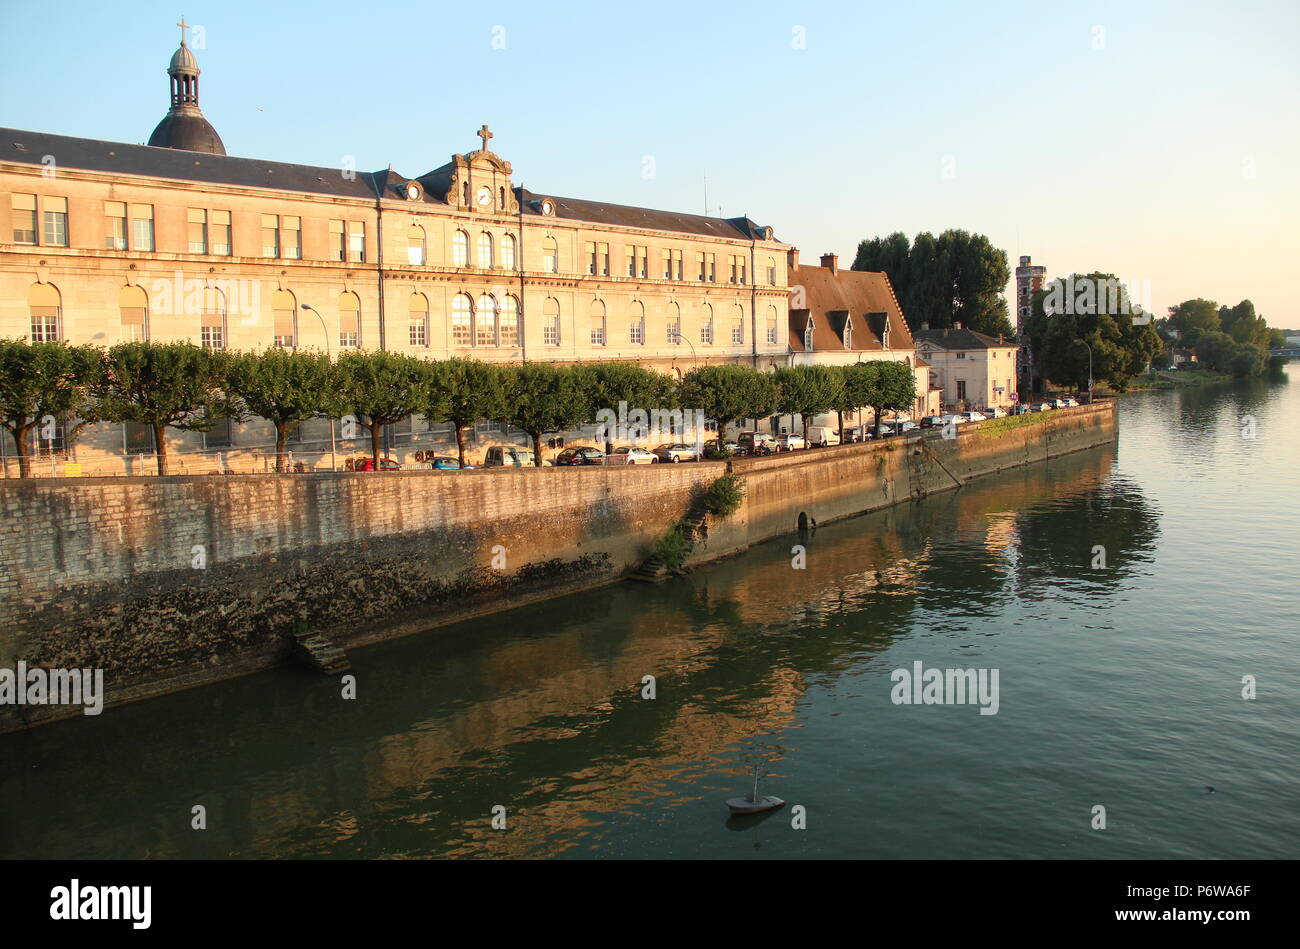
1119, 686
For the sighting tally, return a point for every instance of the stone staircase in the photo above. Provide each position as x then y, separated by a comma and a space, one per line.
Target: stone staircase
653, 569
316, 652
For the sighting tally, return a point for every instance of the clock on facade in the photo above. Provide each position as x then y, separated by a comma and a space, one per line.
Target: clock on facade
484, 196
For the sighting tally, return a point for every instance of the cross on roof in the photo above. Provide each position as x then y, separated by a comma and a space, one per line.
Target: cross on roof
184, 26
484, 134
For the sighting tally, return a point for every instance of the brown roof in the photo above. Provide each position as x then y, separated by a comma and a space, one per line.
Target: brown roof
952, 338
832, 299
622, 215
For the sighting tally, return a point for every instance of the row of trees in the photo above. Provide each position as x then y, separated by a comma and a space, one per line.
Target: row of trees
181, 386
957, 277
1101, 331
1227, 339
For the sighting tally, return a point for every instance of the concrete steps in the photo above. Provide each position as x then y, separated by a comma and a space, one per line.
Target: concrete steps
316, 652
653, 569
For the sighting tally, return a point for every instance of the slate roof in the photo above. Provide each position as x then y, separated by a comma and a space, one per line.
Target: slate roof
951, 338
833, 297
175, 164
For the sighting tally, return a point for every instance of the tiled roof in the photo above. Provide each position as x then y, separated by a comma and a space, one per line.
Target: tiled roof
833, 297
620, 215
951, 338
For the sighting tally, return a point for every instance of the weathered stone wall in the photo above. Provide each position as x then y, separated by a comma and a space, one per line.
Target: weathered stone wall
170, 582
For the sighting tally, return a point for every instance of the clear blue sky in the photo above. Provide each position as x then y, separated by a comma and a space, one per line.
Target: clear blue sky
1164, 147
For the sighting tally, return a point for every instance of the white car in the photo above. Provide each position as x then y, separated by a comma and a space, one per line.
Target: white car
629, 455
1043, 406
971, 416
994, 412
675, 453
791, 441
1072, 403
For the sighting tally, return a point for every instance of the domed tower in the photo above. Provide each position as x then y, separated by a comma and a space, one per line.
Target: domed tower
184, 126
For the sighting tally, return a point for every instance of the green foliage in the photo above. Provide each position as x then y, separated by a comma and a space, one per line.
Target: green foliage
381, 388
45, 379
1191, 318
807, 390
727, 393
284, 387
542, 398
997, 426
163, 384
462, 391
958, 277
724, 496
609, 383
675, 546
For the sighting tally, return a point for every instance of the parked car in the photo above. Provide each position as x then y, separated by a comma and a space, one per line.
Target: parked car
729, 445
790, 441
932, 421
580, 455
823, 435
954, 419
631, 455
510, 456
1059, 404
1020, 410
1043, 406
1072, 403
446, 463
897, 427
971, 416
756, 443
994, 412
368, 464
676, 452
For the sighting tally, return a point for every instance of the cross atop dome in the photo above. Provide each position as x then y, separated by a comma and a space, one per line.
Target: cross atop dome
184, 26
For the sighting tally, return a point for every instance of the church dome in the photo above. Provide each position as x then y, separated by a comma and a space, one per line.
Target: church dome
188, 131
183, 61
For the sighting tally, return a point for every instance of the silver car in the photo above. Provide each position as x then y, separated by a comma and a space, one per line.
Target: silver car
675, 453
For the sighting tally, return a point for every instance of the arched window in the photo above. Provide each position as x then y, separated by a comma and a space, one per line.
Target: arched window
349, 321
508, 252
415, 245
597, 323
706, 325
502, 203
284, 312
636, 324
551, 322
509, 321
771, 271
134, 307
212, 321
485, 321
808, 334
485, 250
848, 332
47, 313
462, 320
418, 317
465, 194
673, 331
460, 249
771, 325
550, 256
738, 325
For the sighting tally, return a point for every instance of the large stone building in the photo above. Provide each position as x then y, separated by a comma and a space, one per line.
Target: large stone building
102, 242
974, 370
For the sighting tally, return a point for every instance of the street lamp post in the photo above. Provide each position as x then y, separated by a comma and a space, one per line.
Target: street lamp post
1085, 343
677, 335
334, 462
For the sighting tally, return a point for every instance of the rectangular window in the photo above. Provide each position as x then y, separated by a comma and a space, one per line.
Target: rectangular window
743, 263
631, 261
212, 330
291, 238
197, 226
133, 330
270, 235
733, 260
668, 265
706, 332
46, 442
349, 329
673, 332
589, 251
961, 355
636, 333
771, 275
142, 227
711, 266
551, 330
54, 216
45, 324
284, 335
24, 206
419, 331
738, 332
357, 241
603, 259
598, 331
219, 232
114, 225
137, 438
771, 330
677, 265
220, 435
961, 390
338, 241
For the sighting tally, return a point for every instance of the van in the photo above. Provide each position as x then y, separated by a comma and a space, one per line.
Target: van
823, 435
509, 456
756, 443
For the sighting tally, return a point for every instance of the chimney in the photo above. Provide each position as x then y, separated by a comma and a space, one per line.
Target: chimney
830, 262
794, 259
1024, 261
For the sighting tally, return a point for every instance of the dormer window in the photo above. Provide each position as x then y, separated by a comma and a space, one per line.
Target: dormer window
848, 333
808, 335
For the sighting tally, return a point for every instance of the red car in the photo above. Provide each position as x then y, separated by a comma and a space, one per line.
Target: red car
368, 464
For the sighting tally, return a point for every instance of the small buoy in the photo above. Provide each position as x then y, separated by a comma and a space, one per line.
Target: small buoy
745, 805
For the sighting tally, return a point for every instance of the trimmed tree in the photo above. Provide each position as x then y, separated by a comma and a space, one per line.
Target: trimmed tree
382, 388
542, 398
462, 391
728, 392
40, 380
807, 390
613, 382
892, 388
286, 388
162, 385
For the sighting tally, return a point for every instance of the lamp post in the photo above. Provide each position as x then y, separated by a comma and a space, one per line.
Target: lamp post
1085, 343
334, 463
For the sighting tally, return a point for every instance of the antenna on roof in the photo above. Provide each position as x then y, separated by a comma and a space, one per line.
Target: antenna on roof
706, 193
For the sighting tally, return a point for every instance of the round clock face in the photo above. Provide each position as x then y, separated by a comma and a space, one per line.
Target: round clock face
412, 191
484, 197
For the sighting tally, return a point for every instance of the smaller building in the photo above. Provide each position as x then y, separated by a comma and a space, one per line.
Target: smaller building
974, 371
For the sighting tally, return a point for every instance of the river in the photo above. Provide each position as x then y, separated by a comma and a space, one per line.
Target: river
1120, 686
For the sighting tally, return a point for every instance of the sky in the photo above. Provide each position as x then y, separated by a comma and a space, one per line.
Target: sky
1156, 141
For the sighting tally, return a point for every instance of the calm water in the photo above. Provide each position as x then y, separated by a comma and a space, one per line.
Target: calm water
1119, 686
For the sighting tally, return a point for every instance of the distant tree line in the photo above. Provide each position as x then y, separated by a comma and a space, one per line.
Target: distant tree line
1226, 339
957, 277
182, 386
